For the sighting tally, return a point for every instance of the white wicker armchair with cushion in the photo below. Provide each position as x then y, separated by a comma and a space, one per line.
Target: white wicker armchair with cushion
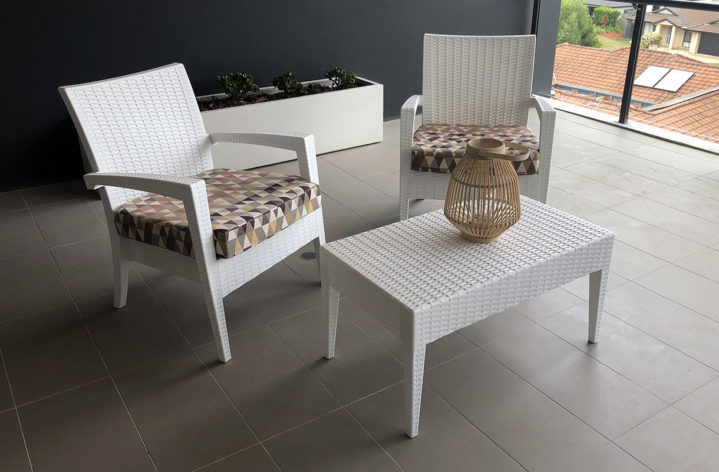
472, 86
167, 207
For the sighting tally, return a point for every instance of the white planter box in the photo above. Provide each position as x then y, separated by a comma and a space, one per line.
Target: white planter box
338, 120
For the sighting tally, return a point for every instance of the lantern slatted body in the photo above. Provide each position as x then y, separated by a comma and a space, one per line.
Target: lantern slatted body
483, 195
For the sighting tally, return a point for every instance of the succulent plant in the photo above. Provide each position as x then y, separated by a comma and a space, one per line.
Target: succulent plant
289, 84
237, 85
341, 78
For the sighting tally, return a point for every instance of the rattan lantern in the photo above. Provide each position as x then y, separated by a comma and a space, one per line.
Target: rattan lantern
483, 195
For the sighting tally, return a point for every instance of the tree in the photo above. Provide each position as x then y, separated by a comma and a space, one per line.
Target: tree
650, 39
575, 24
606, 17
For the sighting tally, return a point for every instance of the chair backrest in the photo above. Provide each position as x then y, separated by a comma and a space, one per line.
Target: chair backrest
147, 122
477, 79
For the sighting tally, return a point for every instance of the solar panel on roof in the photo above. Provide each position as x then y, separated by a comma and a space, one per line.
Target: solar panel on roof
674, 80
651, 76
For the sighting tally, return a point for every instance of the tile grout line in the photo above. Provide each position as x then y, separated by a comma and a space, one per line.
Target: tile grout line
17, 411
212, 376
342, 405
107, 369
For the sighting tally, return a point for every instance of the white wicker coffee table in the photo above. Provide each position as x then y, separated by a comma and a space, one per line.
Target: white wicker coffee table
423, 280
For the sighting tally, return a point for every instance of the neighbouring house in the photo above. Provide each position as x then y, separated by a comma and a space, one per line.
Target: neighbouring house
671, 91
621, 6
694, 31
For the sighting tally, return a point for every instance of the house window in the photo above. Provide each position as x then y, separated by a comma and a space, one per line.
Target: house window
687, 39
668, 37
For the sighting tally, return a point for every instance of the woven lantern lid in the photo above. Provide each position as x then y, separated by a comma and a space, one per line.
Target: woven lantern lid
490, 148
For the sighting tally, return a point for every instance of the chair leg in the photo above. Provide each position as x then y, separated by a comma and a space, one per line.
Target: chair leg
330, 305
413, 377
597, 285
318, 242
120, 268
216, 310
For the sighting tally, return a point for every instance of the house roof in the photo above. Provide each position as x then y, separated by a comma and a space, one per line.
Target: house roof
686, 18
692, 108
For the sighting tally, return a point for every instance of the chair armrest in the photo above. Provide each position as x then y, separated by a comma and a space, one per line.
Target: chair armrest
169, 185
542, 105
190, 190
407, 126
302, 144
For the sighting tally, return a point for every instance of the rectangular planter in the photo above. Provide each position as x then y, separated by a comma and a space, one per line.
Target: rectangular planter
338, 120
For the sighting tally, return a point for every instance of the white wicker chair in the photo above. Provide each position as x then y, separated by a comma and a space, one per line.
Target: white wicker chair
144, 133
473, 80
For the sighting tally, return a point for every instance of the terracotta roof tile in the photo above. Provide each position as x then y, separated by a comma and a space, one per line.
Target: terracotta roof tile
604, 70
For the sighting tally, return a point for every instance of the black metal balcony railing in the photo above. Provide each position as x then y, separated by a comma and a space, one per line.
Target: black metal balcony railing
649, 104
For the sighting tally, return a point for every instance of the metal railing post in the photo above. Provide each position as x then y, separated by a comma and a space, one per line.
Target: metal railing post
632, 65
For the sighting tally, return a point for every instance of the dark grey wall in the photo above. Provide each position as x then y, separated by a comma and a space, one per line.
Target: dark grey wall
50, 43
546, 45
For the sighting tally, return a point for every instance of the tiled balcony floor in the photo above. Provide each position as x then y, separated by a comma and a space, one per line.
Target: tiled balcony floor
87, 387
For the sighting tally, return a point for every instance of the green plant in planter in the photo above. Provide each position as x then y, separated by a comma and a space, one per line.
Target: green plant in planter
289, 84
341, 78
237, 85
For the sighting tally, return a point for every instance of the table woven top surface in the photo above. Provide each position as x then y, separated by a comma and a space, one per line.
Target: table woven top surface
417, 259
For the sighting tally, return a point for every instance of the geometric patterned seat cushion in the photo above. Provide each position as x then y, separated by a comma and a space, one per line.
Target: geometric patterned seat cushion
438, 148
245, 208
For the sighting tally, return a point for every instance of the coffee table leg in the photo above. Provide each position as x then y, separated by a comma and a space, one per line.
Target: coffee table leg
413, 376
330, 305
597, 284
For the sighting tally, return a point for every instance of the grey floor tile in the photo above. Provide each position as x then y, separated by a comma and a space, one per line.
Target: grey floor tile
702, 405
83, 430
602, 138
688, 202
439, 351
620, 178
570, 203
31, 283
139, 333
446, 440
254, 459
629, 262
675, 221
5, 396
87, 269
279, 292
608, 458
702, 186
331, 174
671, 158
521, 420
55, 193
185, 303
684, 287
646, 237
570, 150
19, 234
498, 325
605, 400
47, 353
13, 457
268, 384
331, 443
68, 222
359, 367
364, 160
588, 189
652, 170
304, 263
580, 286
644, 360
10, 201
182, 414
668, 321
340, 221
672, 442
373, 205
704, 263
548, 304
386, 181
